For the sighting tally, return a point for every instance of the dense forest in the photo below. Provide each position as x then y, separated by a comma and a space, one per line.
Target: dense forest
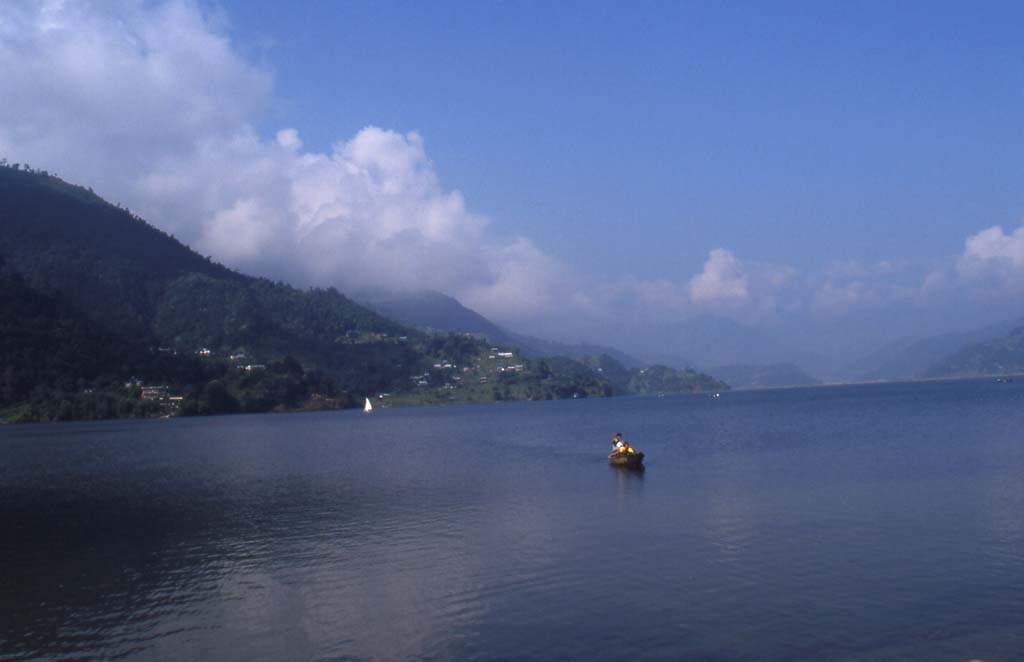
104, 316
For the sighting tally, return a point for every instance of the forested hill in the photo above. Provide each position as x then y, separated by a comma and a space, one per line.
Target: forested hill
137, 282
92, 298
102, 315
66, 241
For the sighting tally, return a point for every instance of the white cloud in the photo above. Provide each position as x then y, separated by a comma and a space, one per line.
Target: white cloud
524, 283
722, 280
289, 139
994, 260
832, 296
849, 287
105, 89
994, 244
241, 232
991, 266
152, 106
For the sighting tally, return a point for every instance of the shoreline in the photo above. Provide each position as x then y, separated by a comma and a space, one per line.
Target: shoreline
398, 402
880, 382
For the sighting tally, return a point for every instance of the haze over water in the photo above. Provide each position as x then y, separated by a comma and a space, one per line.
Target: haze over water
849, 523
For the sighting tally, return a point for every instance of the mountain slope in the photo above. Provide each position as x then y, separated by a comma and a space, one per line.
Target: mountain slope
123, 273
436, 312
662, 379
655, 379
910, 358
66, 241
709, 340
763, 376
998, 356
131, 303
43, 344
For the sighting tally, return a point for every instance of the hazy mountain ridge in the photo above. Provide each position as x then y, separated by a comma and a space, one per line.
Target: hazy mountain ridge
655, 379
436, 312
659, 379
708, 340
764, 376
911, 358
998, 356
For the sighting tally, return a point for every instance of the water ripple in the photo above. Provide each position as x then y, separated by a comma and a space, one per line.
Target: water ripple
828, 524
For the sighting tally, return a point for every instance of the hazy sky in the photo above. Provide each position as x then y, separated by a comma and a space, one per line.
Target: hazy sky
837, 174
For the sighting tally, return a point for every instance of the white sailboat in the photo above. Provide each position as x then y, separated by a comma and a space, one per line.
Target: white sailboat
367, 407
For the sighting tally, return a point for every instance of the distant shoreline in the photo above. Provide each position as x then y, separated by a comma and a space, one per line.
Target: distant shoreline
398, 404
879, 382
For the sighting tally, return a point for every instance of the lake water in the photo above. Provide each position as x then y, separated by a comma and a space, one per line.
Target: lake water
842, 524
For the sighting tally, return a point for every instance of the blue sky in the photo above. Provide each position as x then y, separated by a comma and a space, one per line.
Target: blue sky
794, 132
831, 176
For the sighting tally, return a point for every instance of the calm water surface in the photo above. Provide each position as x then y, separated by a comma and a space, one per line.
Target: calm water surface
851, 524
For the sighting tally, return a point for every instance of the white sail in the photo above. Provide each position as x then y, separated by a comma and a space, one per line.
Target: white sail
368, 407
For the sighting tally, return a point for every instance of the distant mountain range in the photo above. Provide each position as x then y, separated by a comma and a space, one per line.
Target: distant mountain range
763, 376
997, 356
435, 312
707, 340
987, 350
915, 358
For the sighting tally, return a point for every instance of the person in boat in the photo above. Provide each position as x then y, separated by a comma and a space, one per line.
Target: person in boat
620, 446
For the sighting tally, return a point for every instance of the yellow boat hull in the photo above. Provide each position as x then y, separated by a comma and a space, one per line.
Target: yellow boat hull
632, 460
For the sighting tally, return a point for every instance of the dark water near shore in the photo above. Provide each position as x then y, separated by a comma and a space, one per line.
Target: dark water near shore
854, 523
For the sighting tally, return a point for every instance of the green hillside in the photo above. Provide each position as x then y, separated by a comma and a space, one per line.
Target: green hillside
105, 316
652, 380
662, 379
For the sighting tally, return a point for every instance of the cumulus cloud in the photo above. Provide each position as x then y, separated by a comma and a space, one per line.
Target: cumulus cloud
832, 295
994, 261
152, 106
995, 245
525, 281
722, 280
850, 285
117, 85
289, 139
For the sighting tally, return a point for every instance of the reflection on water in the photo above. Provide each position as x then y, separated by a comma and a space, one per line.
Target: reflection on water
870, 523
629, 486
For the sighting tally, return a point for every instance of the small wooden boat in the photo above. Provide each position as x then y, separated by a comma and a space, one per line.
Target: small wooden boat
634, 460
